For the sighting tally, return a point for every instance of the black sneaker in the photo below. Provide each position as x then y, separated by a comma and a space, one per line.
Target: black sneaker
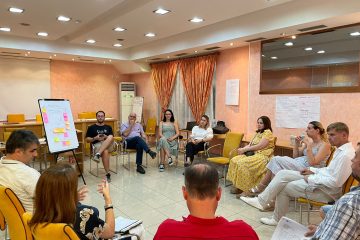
140, 169
152, 154
108, 177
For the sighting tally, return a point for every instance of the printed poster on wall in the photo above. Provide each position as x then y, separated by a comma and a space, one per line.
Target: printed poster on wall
296, 111
232, 92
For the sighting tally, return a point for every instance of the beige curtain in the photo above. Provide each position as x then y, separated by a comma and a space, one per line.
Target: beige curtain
163, 76
197, 75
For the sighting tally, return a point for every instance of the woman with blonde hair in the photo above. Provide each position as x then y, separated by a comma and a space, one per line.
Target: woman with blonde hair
310, 151
247, 169
56, 201
199, 136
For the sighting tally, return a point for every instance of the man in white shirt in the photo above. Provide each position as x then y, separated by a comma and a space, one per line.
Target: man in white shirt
321, 184
21, 149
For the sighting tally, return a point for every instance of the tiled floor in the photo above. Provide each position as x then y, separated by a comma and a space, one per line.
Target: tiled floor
156, 196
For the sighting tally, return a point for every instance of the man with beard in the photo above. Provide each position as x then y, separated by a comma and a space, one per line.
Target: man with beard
101, 137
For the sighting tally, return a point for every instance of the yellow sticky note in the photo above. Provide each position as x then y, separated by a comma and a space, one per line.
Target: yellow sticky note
57, 139
43, 110
59, 130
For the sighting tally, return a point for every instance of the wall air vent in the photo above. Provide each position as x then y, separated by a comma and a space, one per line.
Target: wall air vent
85, 60
323, 31
180, 54
211, 48
311, 28
155, 59
255, 39
12, 53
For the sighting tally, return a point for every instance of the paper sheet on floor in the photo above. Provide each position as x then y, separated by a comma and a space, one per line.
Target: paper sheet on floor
290, 230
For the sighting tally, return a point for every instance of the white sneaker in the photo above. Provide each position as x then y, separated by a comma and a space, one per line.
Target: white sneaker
254, 202
161, 168
97, 157
170, 161
269, 221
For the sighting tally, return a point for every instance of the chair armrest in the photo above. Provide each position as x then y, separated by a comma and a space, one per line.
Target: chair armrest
208, 149
232, 152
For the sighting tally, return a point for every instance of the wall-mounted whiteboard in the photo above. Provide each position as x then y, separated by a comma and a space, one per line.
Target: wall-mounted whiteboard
58, 124
296, 111
22, 83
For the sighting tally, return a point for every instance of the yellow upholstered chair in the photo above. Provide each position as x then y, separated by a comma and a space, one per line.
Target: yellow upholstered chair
15, 118
150, 129
231, 144
51, 230
38, 118
87, 115
12, 211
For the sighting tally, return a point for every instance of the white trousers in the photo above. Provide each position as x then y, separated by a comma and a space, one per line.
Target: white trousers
289, 184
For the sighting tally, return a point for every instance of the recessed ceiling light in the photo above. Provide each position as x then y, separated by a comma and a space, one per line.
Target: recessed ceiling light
28, 52
195, 51
73, 59
42, 34
196, 20
5, 29
63, 18
161, 11
150, 34
293, 37
262, 55
54, 55
274, 57
289, 44
91, 41
109, 60
321, 51
16, 10
231, 44
308, 49
354, 34
119, 29
117, 45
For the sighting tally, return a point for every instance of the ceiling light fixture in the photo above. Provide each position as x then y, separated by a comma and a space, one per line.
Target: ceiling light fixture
289, 44
119, 29
62, 18
54, 55
150, 34
109, 60
91, 41
355, 34
293, 37
196, 20
161, 11
28, 52
321, 51
274, 57
117, 45
73, 59
195, 51
308, 49
42, 34
231, 44
5, 29
262, 55
16, 10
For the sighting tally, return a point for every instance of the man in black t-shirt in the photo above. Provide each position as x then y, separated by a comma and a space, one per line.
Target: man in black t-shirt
101, 137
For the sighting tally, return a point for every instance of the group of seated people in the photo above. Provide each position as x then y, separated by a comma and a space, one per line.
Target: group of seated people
259, 179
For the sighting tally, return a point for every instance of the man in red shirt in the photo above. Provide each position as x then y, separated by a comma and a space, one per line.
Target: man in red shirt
202, 194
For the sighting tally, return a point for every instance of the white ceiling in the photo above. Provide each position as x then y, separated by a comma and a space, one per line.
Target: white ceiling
226, 21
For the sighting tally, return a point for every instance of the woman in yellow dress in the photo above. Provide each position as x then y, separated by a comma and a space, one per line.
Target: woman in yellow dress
247, 169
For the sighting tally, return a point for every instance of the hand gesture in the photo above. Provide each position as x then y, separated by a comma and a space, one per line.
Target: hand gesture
104, 189
306, 172
241, 151
311, 230
82, 193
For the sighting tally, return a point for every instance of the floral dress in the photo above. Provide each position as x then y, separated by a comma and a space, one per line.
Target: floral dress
246, 172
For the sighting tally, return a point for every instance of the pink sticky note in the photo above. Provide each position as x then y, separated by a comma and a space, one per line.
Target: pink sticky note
66, 134
64, 143
65, 117
45, 118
